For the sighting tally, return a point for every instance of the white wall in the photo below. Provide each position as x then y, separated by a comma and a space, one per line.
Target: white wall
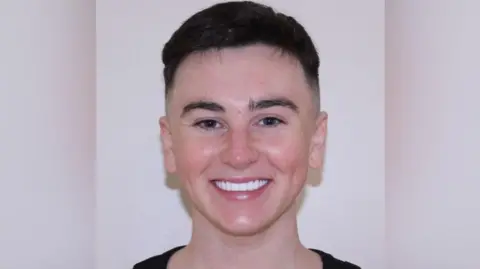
46, 135
139, 216
47, 156
433, 131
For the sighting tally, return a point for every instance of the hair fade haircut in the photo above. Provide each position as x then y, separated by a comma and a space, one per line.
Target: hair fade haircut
236, 24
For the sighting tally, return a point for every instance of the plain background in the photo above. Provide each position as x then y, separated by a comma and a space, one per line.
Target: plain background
47, 134
63, 116
433, 131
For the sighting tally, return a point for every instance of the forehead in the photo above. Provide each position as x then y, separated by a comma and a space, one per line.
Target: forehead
240, 74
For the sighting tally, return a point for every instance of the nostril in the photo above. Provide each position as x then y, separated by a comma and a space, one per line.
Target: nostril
239, 157
239, 150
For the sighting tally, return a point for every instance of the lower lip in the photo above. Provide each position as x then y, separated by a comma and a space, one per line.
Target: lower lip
242, 195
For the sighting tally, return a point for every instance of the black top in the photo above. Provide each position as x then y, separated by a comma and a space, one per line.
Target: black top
161, 261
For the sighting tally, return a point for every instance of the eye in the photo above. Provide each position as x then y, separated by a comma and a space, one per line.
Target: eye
271, 122
208, 124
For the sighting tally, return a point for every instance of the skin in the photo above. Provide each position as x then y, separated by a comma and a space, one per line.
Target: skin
218, 125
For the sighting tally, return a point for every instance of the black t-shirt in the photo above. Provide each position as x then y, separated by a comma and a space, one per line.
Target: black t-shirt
161, 261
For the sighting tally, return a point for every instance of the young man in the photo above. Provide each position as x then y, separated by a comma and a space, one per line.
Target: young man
243, 126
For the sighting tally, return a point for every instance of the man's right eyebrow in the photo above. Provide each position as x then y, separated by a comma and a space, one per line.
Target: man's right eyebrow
204, 105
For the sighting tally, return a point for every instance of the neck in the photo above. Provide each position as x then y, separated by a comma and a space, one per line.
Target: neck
277, 247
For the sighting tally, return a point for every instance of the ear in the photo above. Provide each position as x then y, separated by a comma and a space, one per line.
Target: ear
318, 141
167, 145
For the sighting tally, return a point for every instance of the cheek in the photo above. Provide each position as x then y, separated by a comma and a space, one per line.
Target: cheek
288, 153
194, 154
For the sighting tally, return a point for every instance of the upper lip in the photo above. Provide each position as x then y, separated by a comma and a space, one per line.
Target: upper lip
240, 179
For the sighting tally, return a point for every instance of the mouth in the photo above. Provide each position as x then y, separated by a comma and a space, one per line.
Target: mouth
246, 186
241, 189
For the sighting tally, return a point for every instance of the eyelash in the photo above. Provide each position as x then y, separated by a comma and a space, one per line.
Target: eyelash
201, 123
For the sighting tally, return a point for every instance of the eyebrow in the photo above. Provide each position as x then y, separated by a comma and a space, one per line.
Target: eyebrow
267, 103
204, 105
253, 105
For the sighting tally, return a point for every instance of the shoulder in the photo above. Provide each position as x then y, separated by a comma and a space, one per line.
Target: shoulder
330, 262
161, 261
157, 262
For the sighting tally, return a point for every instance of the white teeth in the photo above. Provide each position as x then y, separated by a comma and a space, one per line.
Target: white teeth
247, 186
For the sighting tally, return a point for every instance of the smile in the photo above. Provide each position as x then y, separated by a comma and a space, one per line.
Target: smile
252, 185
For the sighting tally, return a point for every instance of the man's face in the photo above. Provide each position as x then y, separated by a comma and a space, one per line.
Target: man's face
240, 134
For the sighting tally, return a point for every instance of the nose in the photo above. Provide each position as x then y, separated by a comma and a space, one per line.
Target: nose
239, 151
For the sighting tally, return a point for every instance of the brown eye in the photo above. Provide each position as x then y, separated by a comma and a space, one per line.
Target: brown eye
208, 124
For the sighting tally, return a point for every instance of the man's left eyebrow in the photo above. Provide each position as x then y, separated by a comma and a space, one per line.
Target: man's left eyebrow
272, 102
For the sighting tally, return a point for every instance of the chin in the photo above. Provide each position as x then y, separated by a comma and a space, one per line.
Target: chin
243, 227
246, 223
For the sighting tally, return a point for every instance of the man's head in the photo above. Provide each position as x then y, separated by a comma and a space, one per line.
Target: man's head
243, 122
239, 24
